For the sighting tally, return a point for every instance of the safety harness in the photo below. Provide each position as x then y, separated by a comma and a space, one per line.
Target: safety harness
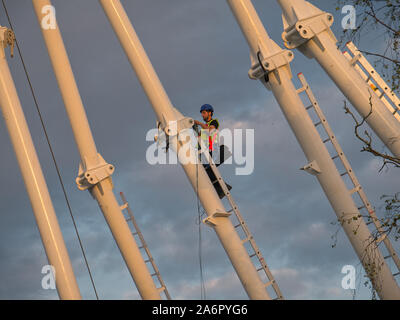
211, 138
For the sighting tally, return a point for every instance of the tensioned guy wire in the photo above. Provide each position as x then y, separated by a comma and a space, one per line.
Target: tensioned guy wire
52, 152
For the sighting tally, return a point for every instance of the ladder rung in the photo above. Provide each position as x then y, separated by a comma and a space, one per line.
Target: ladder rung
335, 157
269, 283
381, 238
362, 207
317, 124
309, 107
148, 260
124, 206
253, 255
259, 269
238, 225
396, 274
355, 59
300, 90
326, 140
355, 189
154, 274
245, 240
128, 219
344, 173
387, 257
230, 210
369, 222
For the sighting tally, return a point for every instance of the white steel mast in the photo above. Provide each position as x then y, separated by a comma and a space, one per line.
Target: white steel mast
94, 172
307, 28
174, 123
271, 65
32, 174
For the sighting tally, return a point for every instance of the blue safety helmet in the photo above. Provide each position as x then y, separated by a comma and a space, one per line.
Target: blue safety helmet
206, 107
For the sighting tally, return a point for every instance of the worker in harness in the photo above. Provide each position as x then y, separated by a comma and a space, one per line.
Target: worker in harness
209, 133
209, 136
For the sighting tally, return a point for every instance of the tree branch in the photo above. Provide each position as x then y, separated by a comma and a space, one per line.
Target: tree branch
373, 15
380, 56
387, 159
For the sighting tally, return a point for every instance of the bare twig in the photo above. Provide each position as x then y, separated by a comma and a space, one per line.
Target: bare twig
367, 139
381, 56
377, 20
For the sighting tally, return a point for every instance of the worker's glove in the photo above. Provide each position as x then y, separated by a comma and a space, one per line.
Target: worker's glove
197, 129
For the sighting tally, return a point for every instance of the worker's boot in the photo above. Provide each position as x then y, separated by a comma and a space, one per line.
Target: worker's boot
215, 182
219, 190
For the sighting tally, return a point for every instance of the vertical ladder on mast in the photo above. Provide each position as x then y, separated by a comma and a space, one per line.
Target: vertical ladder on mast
369, 74
143, 245
356, 187
254, 249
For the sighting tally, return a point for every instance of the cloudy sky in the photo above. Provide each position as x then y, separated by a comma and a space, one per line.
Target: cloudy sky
201, 57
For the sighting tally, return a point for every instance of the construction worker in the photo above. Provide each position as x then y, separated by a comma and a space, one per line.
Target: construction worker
207, 112
209, 135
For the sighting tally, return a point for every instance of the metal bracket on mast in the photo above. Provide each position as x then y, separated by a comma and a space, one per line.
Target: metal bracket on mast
172, 129
212, 222
312, 168
303, 30
92, 175
310, 22
269, 62
7, 38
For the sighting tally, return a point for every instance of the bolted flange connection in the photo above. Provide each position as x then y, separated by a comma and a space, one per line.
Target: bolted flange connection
172, 129
306, 29
269, 63
88, 177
